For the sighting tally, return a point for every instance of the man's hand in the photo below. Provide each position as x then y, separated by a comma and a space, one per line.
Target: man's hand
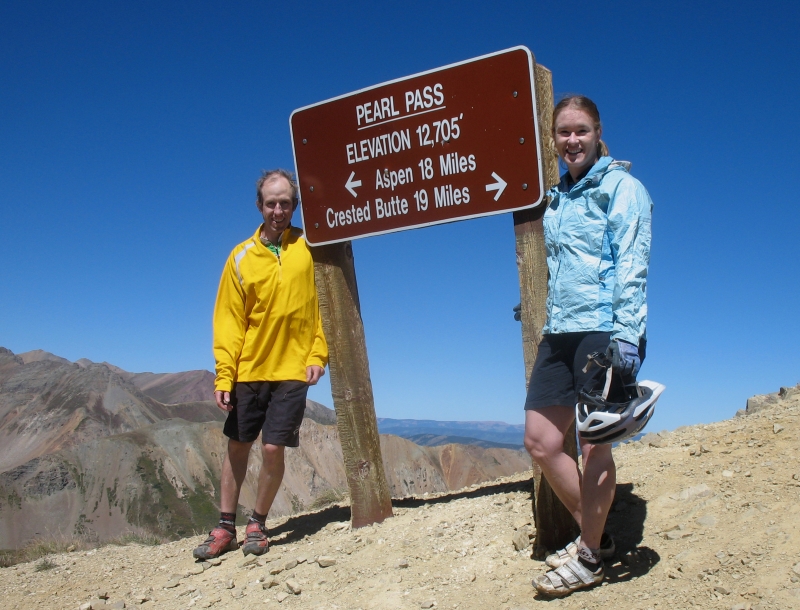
313, 373
223, 400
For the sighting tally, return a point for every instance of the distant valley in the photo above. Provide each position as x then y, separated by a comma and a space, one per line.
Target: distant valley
481, 433
96, 451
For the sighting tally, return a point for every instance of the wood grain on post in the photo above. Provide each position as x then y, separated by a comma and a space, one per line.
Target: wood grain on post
555, 526
351, 386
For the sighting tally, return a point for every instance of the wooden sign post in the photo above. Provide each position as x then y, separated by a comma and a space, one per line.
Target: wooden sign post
555, 526
351, 386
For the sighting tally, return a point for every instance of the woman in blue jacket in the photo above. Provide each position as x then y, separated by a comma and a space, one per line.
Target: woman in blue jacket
597, 235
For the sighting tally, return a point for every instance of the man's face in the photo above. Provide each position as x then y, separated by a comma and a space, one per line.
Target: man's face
276, 195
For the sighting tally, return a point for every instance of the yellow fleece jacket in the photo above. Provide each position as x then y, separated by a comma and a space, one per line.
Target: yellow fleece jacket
267, 325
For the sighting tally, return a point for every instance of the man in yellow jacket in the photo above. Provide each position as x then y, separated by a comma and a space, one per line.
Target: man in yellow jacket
269, 347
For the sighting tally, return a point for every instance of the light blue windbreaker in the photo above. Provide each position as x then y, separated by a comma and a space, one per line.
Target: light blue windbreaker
597, 236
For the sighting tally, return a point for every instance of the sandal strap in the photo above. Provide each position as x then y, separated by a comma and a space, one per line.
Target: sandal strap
568, 551
571, 573
561, 556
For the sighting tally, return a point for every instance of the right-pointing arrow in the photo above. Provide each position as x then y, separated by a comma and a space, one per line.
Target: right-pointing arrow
498, 186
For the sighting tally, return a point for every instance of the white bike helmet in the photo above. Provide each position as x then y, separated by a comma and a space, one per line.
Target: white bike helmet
601, 421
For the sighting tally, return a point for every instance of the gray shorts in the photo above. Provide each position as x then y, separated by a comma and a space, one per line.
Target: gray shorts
273, 408
557, 374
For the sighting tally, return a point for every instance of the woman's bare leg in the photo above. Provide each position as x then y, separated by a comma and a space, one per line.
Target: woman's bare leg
597, 491
545, 430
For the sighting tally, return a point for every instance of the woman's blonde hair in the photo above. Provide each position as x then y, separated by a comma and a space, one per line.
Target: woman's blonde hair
581, 102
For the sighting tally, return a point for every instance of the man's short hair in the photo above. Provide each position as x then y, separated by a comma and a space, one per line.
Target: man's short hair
268, 175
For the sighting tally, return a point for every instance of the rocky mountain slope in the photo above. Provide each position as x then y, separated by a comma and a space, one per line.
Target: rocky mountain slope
167, 388
87, 453
705, 517
48, 404
171, 388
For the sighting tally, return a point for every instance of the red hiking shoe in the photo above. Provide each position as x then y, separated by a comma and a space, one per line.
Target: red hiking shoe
219, 541
255, 541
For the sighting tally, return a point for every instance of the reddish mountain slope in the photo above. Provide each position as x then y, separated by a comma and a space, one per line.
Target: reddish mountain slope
48, 404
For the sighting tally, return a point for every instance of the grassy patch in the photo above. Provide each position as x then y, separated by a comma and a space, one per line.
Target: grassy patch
328, 497
112, 494
297, 504
42, 547
45, 564
142, 538
8, 558
82, 530
49, 546
13, 499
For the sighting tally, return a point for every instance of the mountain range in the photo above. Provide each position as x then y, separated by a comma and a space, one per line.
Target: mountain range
431, 432
95, 451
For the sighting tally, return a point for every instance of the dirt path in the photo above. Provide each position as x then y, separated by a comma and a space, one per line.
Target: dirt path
705, 517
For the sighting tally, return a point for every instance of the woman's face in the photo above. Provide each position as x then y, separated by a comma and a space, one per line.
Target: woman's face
576, 140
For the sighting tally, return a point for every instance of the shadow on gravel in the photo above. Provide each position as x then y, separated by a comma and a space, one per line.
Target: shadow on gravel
626, 525
632, 564
295, 528
626, 519
485, 490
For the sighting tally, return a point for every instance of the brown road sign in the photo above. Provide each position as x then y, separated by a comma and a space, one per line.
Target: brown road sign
452, 143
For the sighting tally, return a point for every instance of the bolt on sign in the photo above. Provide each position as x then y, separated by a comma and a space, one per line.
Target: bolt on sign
457, 142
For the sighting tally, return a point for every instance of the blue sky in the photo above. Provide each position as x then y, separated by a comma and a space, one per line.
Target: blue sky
131, 135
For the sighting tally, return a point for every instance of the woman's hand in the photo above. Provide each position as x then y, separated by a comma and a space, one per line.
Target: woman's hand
624, 358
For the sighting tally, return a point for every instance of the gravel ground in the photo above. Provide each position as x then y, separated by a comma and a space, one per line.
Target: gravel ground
705, 517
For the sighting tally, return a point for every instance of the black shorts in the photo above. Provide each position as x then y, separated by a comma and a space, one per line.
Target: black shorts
273, 408
557, 374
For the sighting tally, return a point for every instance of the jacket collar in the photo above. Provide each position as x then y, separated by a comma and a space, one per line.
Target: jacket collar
288, 232
595, 175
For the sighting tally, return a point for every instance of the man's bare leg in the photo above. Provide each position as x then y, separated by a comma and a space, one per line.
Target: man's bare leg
223, 537
269, 480
234, 469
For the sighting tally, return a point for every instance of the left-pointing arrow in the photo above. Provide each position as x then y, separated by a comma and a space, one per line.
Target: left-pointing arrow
498, 186
351, 184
